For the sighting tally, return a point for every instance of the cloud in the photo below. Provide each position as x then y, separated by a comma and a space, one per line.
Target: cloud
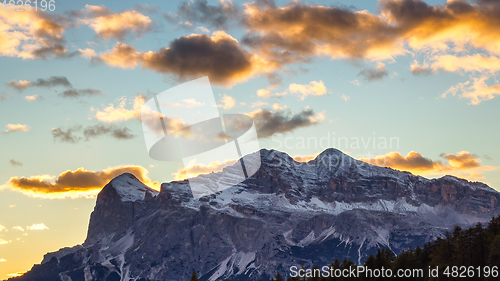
17, 127
227, 102
269, 123
185, 103
259, 104
122, 133
420, 70
89, 132
120, 113
75, 93
37, 226
3, 241
113, 25
355, 82
87, 53
374, 73
111, 114
278, 107
66, 135
15, 163
297, 31
476, 92
314, 88
53, 81
32, 34
219, 57
75, 184
345, 97
18, 228
2, 228
457, 22
262, 93
194, 170
305, 158
33, 97
464, 164
469, 63
199, 11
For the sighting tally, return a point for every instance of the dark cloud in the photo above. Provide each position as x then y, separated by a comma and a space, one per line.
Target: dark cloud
47, 83
299, 31
75, 93
219, 57
374, 73
66, 135
15, 163
199, 11
421, 70
77, 133
122, 133
268, 122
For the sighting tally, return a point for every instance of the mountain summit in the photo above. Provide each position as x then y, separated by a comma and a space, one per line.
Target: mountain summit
287, 214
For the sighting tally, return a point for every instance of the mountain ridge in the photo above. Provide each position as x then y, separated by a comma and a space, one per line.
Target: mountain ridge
286, 214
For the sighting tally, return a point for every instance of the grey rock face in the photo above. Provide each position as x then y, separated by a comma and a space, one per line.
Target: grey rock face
287, 214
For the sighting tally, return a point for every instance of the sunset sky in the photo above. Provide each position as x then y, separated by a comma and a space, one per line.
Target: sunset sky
408, 84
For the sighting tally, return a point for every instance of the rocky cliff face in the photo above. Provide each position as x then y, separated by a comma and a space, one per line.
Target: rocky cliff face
287, 214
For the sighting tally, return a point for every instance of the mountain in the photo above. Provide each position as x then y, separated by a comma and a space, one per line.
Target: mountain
286, 214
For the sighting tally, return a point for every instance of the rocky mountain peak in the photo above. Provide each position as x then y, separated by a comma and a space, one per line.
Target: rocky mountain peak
125, 188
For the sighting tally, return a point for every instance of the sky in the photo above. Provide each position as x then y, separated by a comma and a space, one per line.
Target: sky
406, 84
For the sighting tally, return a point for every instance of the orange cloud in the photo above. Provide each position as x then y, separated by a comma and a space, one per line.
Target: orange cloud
74, 184
109, 25
194, 170
17, 127
305, 158
296, 31
31, 34
223, 60
462, 164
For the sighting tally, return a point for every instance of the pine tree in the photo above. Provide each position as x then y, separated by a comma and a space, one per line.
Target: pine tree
194, 277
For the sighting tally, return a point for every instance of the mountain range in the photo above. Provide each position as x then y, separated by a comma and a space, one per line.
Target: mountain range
287, 214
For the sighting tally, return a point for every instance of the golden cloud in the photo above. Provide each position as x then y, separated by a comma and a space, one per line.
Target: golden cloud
194, 170
31, 34
109, 25
74, 184
463, 164
305, 158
